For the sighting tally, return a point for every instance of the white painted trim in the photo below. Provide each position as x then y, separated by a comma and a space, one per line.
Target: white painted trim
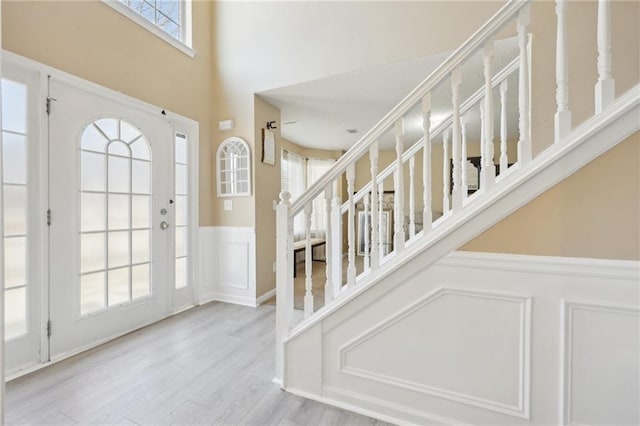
2, 369
266, 296
566, 335
572, 266
592, 138
230, 298
524, 344
236, 229
185, 26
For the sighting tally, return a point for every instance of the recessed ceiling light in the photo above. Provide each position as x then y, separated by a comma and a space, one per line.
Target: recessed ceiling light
352, 130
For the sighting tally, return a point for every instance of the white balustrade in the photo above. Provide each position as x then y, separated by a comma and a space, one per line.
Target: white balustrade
351, 256
563, 114
427, 215
456, 195
504, 160
365, 231
488, 169
382, 240
398, 202
464, 157
605, 87
412, 201
524, 142
445, 171
308, 262
328, 286
375, 235
336, 246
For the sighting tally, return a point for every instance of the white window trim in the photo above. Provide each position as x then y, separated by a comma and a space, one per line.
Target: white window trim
185, 26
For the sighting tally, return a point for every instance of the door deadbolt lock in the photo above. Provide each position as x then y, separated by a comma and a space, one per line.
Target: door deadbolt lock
163, 211
164, 225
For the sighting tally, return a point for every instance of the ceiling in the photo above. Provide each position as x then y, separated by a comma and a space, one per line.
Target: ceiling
317, 114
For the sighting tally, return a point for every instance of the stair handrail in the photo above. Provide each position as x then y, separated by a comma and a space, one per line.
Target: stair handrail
445, 123
504, 16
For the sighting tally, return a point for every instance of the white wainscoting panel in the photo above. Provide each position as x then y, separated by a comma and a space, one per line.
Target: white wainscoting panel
600, 358
483, 338
228, 265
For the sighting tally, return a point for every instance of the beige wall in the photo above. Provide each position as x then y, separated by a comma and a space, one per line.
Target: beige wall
593, 213
93, 41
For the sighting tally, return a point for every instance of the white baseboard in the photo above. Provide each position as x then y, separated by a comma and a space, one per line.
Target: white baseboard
268, 295
229, 298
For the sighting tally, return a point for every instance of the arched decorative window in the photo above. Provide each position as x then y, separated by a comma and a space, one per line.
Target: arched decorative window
234, 168
115, 215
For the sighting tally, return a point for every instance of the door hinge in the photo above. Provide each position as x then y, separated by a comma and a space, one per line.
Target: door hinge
49, 328
49, 217
49, 99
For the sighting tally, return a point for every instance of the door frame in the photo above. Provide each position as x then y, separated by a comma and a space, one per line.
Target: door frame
177, 123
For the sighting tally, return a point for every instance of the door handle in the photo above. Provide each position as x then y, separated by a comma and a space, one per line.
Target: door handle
164, 225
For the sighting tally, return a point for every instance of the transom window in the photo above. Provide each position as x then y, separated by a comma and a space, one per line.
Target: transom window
166, 14
115, 215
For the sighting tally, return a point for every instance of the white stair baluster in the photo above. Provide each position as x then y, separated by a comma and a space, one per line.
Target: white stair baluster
328, 287
482, 135
504, 161
284, 278
365, 231
563, 114
398, 201
605, 87
308, 263
488, 169
524, 142
463, 159
381, 231
427, 215
445, 171
456, 194
351, 266
375, 243
412, 202
336, 245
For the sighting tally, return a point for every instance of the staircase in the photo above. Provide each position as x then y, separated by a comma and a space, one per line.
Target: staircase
305, 359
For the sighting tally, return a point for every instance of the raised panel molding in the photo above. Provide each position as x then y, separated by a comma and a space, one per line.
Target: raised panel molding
228, 265
521, 345
620, 341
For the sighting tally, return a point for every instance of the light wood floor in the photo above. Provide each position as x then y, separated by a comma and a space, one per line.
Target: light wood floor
210, 365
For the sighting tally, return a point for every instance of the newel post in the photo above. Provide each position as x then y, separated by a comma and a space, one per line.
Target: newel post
284, 280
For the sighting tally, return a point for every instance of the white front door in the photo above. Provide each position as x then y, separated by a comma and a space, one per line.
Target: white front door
113, 216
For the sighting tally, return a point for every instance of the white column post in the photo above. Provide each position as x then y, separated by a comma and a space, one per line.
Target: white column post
463, 159
456, 194
563, 114
605, 87
308, 263
365, 231
504, 160
524, 143
398, 200
328, 287
284, 279
375, 208
351, 266
488, 170
445, 171
427, 215
336, 246
412, 201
